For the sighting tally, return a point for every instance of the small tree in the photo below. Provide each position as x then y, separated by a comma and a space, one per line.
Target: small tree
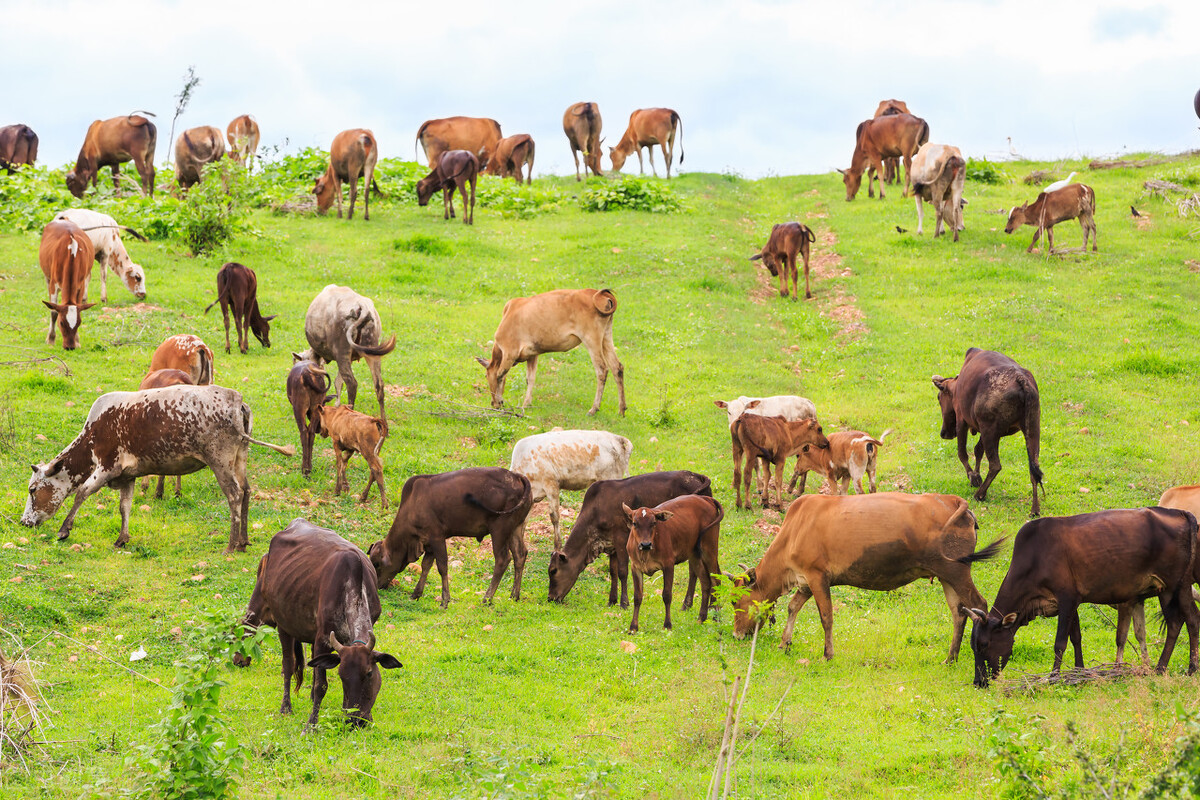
190, 81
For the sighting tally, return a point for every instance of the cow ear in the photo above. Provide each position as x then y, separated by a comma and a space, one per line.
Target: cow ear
327, 661
296, 357
386, 660
939, 382
756, 257
752, 574
628, 512
85, 306
52, 306
806, 448
663, 516
839, 169
753, 404
720, 404
268, 319
1009, 620
53, 467
482, 362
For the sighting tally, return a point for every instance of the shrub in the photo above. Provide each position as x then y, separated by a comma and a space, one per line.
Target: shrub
984, 171
521, 201
215, 208
638, 194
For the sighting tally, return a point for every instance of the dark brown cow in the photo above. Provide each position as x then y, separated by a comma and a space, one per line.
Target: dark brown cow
887, 108
185, 352
315, 587
582, 124
195, 149
773, 440
455, 169
513, 154
475, 502
477, 135
353, 432
601, 528
307, 385
110, 143
891, 136
994, 396
351, 156
18, 146
649, 127
158, 379
1075, 200
685, 528
1109, 557
779, 255
237, 286
65, 255
243, 135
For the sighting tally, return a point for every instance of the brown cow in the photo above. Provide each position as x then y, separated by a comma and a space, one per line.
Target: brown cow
243, 135
555, 322
237, 286
351, 156
851, 455
478, 135
307, 385
884, 109
1050, 208
65, 255
649, 127
455, 169
774, 440
894, 135
513, 153
18, 145
779, 255
352, 432
685, 528
110, 143
157, 380
187, 353
582, 123
195, 149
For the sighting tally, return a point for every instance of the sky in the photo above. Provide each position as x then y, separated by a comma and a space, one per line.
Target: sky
763, 87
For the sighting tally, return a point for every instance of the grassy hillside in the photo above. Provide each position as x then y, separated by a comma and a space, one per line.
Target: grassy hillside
536, 699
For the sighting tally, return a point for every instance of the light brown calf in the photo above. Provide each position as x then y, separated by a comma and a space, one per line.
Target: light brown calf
243, 135
779, 255
1050, 208
351, 156
353, 432
187, 353
649, 127
65, 255
851, 455
157, 380
774, 440
513, 154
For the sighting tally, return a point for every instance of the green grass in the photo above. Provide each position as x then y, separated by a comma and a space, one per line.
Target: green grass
545, 693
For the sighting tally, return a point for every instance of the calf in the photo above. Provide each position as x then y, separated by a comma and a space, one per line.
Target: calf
351, 156
686, 528
851, 454
774, 440
237, 286
315, 587
105, 234
888, 136
649, 127
65, 255
195, 149
1050, 208
513, 154
779, 255
939, 175
891, 166
307, 385
788, 406
243, 134
187, 353
455, 169
157, 380
352, 432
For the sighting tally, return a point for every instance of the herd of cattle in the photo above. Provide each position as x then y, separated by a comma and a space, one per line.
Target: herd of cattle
317, 588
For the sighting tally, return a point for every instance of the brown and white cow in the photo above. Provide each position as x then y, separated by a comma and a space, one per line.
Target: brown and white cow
186, 352
307, 385
850, 456
1075, 200
455, 169
772, 440
513, 154
237, 287
478, 135
890, 136
105, 233
351, 156
939, 174
582, 124
18, 146
110, 143
779, 255
555, 322
173, 431
352, 432
649, 127
65, 255
157, 380
243, 135
789, 406
195, 149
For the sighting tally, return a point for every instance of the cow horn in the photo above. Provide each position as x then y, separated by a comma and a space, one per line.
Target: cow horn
334, 643
839, 169
974, 613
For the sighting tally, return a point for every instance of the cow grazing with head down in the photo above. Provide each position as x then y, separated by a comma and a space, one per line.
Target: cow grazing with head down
243, 135
779, 255
513, 154
307, 385
649, 127
1110, 557
582, 124
475, 502
352, 432
172, 431
890, 136
1075, 200
850, 456
315, 587
555, 322
157, 380
105, 235
772, 440
187, 353
455, 169
65, 255
996, 397
110, 143
195, 149
938, 177
789, 406
237, 286
476, 135
18, 146
351, 156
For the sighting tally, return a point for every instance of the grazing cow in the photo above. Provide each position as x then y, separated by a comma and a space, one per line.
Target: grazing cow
789, 406
996, 397
110, 143
455, 169
243, 135
1110, 557
195, 149
779, 255
938, 176
891, 136
18, 145
173, 431
475, 502
884, 109
157, 380
851, 454
237, 286
649, 127
774, 440
1050, 208
343, 326
582, 123
315, 587
307, 385
686, 528
185, 352
601, 528
513, 154
352, 432
110, 251
351, 156
478, 135
573, 460
555, 322
65, 255
872, 541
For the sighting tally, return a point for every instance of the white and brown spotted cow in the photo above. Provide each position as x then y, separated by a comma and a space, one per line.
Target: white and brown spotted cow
105, 234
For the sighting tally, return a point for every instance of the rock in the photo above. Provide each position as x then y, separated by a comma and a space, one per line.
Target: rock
257, 526
75, 548
197, 578
177, 631
72, 658
1084, 490
9, 546
628, 646
17, 579
487, 627
22, 540
1083, 431
143, 508
40, 437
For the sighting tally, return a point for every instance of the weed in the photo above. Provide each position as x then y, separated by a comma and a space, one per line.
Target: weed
1152, 363
215, 208
424, 244
635, 194
984, 171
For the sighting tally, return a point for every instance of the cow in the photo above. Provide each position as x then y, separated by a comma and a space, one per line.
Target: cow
474, 502
601, 528
455, 169
110, 143
649, 127
173, 431
851, 455
157, 380
243, 135
884, 109
185, 352
685, 528
513, 154
1111, 557
315, 587
555, 322
343, 326
938, 176
779, 255
1050, 208
65, 255
18, 146
195, 149
878, 542
237, 286
773, 440
994, 396
307, 385
351, 156
478, 135
110, 252
572, 460
582, 124
789, 406
891, 136
352, 432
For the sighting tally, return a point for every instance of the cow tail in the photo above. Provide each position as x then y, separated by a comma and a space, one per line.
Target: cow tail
420, 133
222, 292
986, 554
133, 233
677, 121
371, 350
720, 515
605, 302
805, 231
475, 501
924, 137
298, 658
206, 367
1033, 429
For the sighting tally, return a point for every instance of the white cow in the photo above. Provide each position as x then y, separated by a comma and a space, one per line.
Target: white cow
939, 175
789, 406
105, 234
569, 460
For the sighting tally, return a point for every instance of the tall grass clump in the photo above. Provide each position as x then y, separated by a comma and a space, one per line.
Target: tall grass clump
635, 194
215, 208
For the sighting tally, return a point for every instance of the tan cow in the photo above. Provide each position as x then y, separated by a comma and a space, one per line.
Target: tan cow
649, 127
478, 135
773, 440
353, 432
938, 176
351, 156
851, 454
894, 135
1075, 200
582, 123
65, 255
513, 153
110, 251
187, 353
195, 149
110, 143
243, 135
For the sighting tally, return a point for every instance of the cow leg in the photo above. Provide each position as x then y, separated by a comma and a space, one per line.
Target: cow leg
126, 503
1134, 611
519, 552
667, 590
920, 214
972, 475
116, 175
287, 645
637, 600
225, 316
53, 323
1068, 623
92, 485
178, 486
104, 279
820, 591
341, 456
641, 165
552, 499
337, 187
233, 484
320, 685
575, 155
992, 449
614, 365
623, 573
474, 180
667, 157
612, 579
346, 373
530, 377
447, 207
694, 568
306, 436
377, 477
1050, 240
502, 555
600, 365
958, 620
779, 483
907, 176
354, 196
158, 491
800, 475
426, 562
737, 471
794, 275
1037, 232
1174, 609
794, 605
375, 365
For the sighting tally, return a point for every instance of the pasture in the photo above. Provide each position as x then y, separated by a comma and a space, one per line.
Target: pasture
534, 699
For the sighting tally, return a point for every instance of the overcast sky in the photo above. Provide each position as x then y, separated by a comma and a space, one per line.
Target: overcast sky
763, 87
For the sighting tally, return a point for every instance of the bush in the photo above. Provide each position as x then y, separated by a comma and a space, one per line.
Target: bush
215, 208
521, 201
984, 171
638, 194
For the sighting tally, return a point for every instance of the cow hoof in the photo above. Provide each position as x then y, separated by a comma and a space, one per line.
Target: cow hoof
981, 495
975, 479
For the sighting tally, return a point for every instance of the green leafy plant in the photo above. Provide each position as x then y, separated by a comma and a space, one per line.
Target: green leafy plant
511, 200
215, 208
637, 194
984, 171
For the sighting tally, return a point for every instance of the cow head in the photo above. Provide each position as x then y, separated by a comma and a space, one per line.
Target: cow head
641, 526
358, 666
495, 377
426, 187
260, 326
563, 575
945, 387
324, 190
48, 487
770, 260
853, 180
992, 642
388, 560
1016, 217
135, 280
618, 157
69, 320
77, 183
745, 616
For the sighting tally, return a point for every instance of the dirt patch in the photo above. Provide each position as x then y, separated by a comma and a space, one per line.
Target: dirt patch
836, 304
1143, 221
1193, 265
107, 313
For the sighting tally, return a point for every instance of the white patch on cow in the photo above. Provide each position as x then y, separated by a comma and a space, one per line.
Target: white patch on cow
72, 315
73, 247
645, 513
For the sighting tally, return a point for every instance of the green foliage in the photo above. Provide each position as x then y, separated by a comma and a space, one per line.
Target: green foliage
31, 197
984, 171
34, 381
215, 208
636, 194
424, 244
513, 200
508, 776
1152, 363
